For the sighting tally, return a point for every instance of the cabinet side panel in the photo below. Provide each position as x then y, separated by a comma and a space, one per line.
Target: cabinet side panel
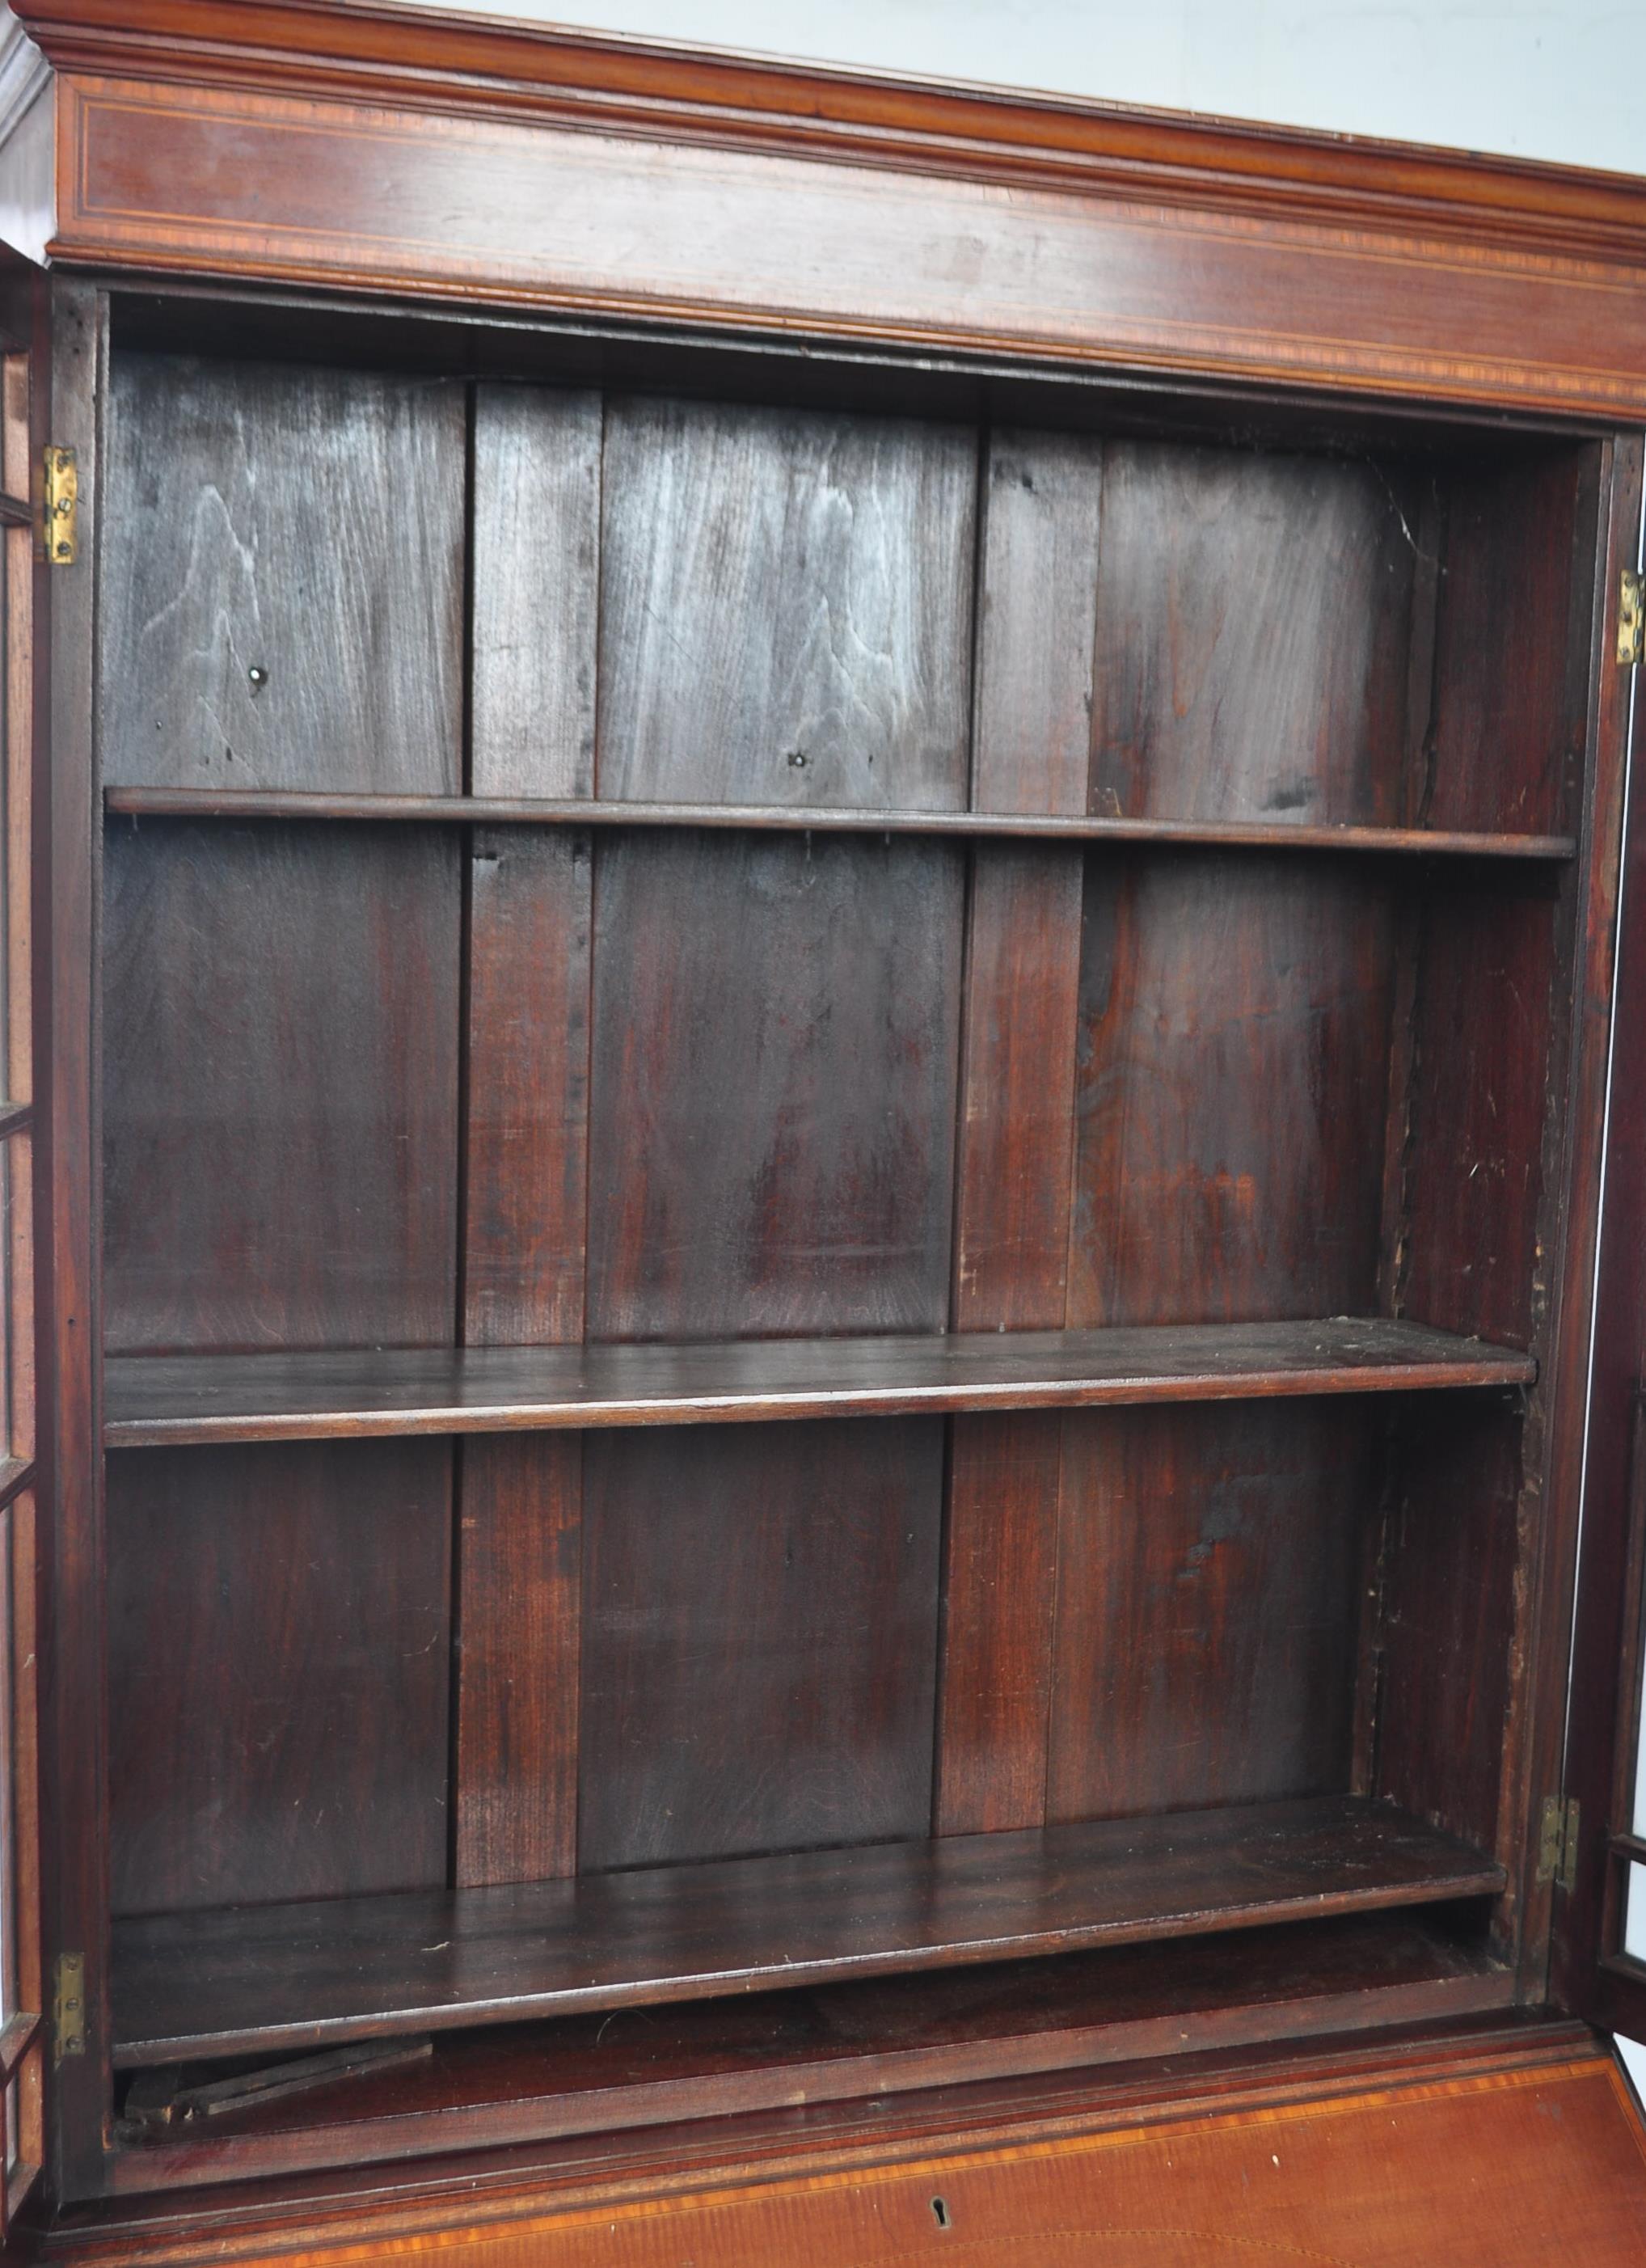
1483, 1036
1206, 1609
279, 1636
1233, 1067
1252, 627
1508, 731
1448, 1618
283, 599
785, 606
760, 1639
281, 1030
776, 1025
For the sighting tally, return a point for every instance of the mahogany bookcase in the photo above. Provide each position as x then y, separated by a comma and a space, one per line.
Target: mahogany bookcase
820, 881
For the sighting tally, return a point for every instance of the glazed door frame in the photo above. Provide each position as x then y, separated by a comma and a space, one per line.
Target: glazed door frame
1594, 1840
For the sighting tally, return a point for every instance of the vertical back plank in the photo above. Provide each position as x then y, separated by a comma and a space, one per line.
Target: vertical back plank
536, 596
283, 590
1000, 1589
772, 1089
1252, 628
530, 908
1234, 1065
281, 1085
760, 1638
517, 1743
536, 590
1037, 617
1206, 1607
1017, 1123
279, 1643
785, 608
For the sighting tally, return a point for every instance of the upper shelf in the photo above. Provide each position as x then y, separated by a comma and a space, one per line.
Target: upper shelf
152, 1400
247, 802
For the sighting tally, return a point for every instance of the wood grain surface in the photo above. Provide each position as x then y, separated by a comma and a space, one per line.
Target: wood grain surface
284, 579
775, 1028
760, 1640
785, 608
259, 1600
280, 1097
294, 1975
443, 1390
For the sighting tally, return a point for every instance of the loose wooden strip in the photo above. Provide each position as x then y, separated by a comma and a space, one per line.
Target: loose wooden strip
519, 1606
469, 1390
540, 811
300, 1975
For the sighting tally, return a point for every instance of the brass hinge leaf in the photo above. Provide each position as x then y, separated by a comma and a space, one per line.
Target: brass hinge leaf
69, 2004
1631, 620
1558, 1832
61, 507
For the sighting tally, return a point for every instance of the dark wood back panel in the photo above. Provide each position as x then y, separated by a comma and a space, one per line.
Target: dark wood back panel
1204, 1635
536, 590
283, 598
1253, 619
280, 1095
701, 1085
279, 1634
785, 606
772, 1100
1233, 1063
760, 1638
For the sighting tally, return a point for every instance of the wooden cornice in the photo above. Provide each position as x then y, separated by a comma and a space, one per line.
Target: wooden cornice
392, 148
466, 64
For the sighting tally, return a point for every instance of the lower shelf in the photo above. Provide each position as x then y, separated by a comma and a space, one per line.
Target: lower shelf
282, 1978
1015, 2024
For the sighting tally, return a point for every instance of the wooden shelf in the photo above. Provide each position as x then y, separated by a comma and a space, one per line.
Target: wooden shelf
492, 811
275, 1978
593, 2073
151, 1400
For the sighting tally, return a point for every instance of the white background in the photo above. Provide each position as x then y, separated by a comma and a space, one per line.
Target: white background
1566, 82
1548, 81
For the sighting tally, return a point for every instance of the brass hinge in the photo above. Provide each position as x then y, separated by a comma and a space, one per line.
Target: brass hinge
1631, 621
1557, 1843
62, 507
68, 2022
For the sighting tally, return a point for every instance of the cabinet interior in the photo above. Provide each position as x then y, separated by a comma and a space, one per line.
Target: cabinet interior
863, 1408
